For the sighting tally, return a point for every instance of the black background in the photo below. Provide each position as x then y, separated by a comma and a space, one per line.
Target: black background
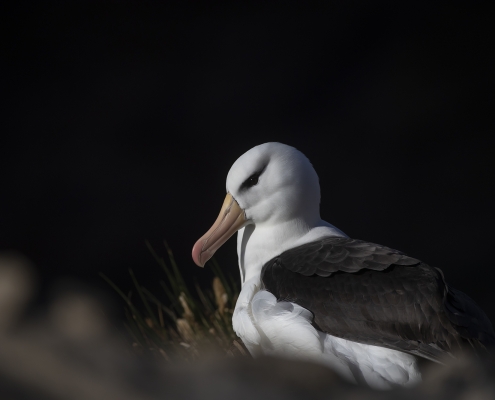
122, 120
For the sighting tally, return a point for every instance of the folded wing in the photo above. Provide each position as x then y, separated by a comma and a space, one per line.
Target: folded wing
375, 295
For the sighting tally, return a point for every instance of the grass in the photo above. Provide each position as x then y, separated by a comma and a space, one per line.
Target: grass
189, 323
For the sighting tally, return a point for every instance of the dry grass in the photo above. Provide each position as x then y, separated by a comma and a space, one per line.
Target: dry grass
189, 324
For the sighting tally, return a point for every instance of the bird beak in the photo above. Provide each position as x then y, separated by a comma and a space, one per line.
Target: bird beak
229, 221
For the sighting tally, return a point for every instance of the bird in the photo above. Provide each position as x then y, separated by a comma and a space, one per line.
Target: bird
310, 292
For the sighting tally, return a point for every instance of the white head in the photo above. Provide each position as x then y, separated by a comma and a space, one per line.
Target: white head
270, 184
274, 183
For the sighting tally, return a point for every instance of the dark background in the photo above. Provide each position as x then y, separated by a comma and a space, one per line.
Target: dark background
122, 119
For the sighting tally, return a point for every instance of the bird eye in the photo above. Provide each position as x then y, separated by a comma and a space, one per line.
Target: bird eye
251, 181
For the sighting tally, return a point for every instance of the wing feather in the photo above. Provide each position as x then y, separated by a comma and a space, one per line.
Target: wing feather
375, 295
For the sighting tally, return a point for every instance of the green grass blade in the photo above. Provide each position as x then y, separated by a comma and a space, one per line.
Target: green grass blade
150, 312
170, 276
178, 276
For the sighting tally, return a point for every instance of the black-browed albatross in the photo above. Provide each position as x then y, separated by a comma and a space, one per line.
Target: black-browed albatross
309, 291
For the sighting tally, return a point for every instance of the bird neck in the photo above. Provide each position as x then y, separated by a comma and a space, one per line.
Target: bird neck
257, 244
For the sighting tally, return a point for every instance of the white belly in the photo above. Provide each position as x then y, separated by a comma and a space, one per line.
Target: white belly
284, 329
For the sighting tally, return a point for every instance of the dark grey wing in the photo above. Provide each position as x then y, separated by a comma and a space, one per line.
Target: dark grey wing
332, 254
375, 295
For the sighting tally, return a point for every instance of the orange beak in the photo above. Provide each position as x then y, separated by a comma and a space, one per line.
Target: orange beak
229, 221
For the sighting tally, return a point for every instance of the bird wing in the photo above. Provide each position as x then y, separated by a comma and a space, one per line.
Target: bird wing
375, 295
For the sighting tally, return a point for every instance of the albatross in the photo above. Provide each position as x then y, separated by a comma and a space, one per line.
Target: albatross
311, 292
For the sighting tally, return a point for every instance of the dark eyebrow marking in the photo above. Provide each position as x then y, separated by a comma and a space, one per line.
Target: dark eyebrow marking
252, 180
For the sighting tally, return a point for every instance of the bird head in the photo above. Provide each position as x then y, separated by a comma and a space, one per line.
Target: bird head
270, 184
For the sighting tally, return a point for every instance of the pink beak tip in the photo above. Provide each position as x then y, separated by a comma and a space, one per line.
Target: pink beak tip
196, 253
